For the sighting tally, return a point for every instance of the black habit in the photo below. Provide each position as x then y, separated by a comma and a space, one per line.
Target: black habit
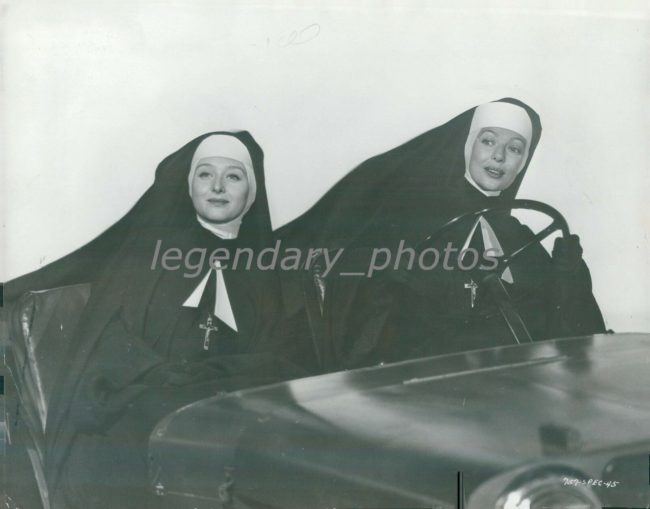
404, 195
137, 352
438, 311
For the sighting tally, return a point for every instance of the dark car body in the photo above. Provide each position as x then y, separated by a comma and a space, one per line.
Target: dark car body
567, 420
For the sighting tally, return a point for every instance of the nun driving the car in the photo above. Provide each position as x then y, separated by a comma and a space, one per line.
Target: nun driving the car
442, 311
395, 201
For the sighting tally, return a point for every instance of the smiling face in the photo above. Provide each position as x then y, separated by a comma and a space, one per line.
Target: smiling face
497, 157
219, 189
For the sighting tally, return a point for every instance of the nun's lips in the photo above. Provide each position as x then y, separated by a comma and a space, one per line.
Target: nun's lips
493, 172
218, 201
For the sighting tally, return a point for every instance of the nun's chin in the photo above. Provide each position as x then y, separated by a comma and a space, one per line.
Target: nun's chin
218, 216
491, 180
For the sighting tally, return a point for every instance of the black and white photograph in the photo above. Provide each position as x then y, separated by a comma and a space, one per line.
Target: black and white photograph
321, 255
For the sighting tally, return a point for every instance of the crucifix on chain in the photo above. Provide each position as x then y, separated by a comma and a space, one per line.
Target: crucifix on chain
472, 287
208, 327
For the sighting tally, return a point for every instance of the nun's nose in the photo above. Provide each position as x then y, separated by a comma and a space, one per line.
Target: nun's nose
498, 154
218, 186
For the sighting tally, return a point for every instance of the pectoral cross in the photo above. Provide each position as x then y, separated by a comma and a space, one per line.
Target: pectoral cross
472, 287
208, 327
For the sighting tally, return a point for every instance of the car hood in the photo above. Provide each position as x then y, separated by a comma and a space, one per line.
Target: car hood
402, 431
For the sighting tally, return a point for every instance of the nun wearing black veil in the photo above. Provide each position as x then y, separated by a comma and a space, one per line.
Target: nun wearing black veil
158, 334
393, 202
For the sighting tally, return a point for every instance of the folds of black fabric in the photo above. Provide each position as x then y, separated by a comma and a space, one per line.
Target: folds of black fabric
388, 198
137, 352
399, 198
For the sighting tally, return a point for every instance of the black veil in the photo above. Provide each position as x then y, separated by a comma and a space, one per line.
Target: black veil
161, 207
118, 265
391, 186
398, 195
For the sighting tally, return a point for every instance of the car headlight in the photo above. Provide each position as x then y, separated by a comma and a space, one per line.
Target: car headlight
548, 491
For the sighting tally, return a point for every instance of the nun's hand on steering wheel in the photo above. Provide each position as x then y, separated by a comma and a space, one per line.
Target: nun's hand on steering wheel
567, 253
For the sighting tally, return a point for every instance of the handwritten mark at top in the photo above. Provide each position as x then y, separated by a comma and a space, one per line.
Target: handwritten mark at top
302, 36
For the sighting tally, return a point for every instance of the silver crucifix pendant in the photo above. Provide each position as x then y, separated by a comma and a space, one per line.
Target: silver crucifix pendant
472, 287
208, 327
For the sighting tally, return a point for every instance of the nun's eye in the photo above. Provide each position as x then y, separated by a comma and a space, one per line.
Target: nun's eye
487, 141
234, 176
516, 149
204, 174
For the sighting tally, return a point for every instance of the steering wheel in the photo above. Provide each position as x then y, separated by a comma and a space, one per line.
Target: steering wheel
558, 223
492, 280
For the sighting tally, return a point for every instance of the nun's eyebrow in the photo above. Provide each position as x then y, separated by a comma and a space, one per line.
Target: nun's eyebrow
229, 167
515, 138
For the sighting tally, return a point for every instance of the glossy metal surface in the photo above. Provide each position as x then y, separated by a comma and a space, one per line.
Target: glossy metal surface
397, 434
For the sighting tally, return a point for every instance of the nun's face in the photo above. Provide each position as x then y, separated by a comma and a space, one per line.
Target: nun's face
219, 189
497, 157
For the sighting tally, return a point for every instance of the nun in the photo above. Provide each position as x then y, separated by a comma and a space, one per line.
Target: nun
393, 202
156, 336
450, 308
